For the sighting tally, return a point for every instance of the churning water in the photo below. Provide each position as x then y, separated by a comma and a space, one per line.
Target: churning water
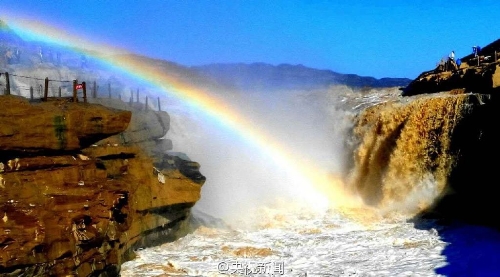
272, 231
298, 243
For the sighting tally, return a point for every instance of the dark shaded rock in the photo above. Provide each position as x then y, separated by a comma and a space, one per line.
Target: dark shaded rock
188, 168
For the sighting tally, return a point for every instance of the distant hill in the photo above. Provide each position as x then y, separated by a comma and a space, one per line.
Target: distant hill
239, 76
263, 76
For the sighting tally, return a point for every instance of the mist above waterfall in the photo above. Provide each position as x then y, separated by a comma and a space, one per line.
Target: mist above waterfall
240, 176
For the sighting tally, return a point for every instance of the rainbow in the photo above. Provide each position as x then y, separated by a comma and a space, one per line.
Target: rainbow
327, 188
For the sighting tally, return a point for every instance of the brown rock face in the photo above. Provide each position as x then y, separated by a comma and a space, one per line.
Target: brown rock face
479, 79
55, 125
78, 206
478, 74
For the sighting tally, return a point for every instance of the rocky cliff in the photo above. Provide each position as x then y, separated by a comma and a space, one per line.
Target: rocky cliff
84, 184
475, 73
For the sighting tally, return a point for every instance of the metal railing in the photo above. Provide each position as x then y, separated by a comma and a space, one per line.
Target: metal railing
76, 88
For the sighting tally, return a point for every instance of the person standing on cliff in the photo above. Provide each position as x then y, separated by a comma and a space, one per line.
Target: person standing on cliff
8, 56
475, 50
451, 61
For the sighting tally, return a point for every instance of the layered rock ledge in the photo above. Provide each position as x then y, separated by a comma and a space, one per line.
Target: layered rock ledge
476, 73
80, 188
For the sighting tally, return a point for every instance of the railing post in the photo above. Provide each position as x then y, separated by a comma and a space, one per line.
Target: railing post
94, 90
84, 87
60, 92
159, 106
137, 95
74, 90
146, 105
109, 90
7, 83
46, 91
31, 92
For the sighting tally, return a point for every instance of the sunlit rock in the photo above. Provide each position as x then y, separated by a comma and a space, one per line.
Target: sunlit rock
55, 125
79, 199
477, 74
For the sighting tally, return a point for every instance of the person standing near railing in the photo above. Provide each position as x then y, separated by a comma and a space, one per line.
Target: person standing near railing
40, 54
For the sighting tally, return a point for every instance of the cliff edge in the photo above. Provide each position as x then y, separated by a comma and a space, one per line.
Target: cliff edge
80, 188
478, 72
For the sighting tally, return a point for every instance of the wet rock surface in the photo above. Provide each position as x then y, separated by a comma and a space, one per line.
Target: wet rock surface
81, 207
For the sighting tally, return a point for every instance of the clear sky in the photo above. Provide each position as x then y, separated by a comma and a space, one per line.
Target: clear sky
391, 38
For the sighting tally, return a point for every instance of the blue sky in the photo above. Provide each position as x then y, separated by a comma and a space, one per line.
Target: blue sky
391, 38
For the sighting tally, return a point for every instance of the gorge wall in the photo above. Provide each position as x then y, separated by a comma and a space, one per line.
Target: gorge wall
84, 184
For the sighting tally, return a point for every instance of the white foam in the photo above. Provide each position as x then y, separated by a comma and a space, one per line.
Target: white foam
319, 245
